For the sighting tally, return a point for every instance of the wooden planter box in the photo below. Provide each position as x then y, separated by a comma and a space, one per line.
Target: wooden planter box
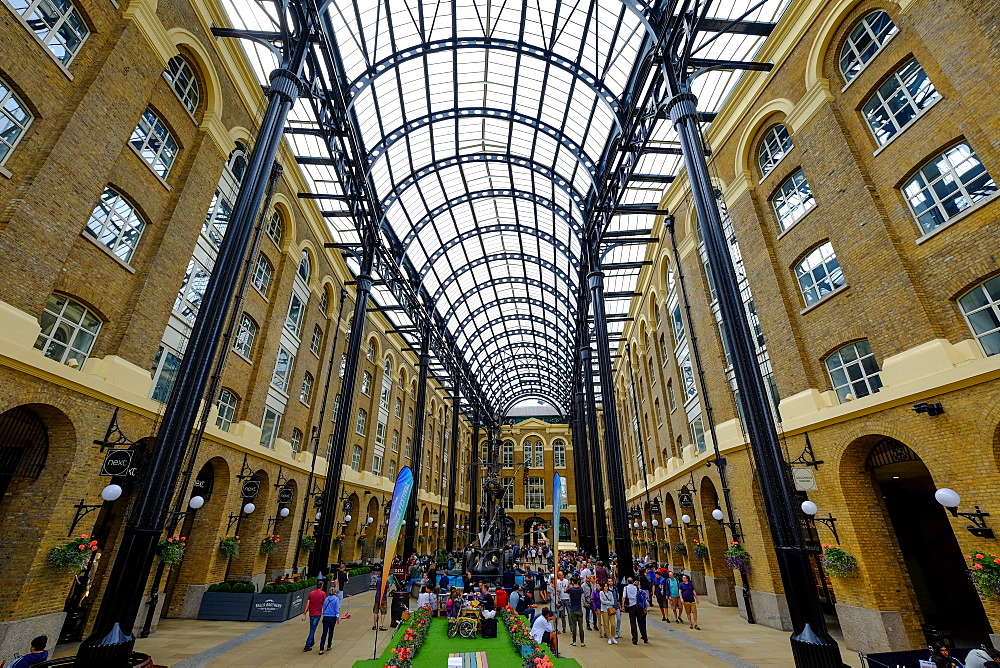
297, 602
269, 607
225, 606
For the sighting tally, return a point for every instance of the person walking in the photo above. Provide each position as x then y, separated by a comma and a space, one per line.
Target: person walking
342, 578
661, 592
609, 609
632, 600
589, 586
562, 585
674, 596
314, 612
595, 608
690, 598
601, 572
576, 594
331, 615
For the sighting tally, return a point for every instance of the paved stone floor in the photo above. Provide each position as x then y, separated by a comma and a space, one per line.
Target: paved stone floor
726, 640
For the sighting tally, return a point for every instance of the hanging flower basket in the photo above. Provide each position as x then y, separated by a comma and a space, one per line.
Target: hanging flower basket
838, 562
172, 549
362, 539
339, 540
73, 556
308, 543
230, 547
737, 558
665, 545
269, 545
422, 539
985, 573
636, 542
700, 550
681, 549
380, 540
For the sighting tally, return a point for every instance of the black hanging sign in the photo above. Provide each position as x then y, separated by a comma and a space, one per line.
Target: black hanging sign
285, 495
654, 507
203, 486
119, 463
251, 488
686, 499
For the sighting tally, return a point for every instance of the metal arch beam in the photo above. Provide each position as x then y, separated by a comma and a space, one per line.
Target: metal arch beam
508, 300
496, 193
553, 401
381, 149
535, 373
522, 257
394, 60
495, 372
504, 280
552, 356
558, 354
562, 182
428, 265
526, 332
525, 384
470, 337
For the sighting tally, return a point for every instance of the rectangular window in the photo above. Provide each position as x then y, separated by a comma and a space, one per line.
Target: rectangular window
356, 458
395, 441
192, 291
359, 426
534, 495
262, 275
227, 409
947, 185
392, 470
269, 427
380, 434
898, 101
317, 340
282, 369
165, 368
14, 120
793, 200
408, 448
508, 493
217, 219
507, 453
245, 336
981, 308
293, 321
377, 464
687, 373
698, 434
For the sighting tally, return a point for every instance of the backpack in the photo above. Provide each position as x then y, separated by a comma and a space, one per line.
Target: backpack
642, 599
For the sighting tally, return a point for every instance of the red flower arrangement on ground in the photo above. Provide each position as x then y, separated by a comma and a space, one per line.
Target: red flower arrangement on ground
412, 640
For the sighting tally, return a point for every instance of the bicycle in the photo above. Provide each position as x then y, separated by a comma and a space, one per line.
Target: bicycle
464, 625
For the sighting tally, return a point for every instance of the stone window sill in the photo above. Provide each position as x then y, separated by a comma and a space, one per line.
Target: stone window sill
909, 124
107, 251
827, 297
968, 212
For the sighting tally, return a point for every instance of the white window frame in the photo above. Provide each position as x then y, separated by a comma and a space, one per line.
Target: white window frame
296, 441
559, 454
68, 22
392, 469
262, 273
407, 448
282, 376
181, 77
395, 440
793, 200
819, 274
899, 86
317, 340
534, 493
957, 166
154, 143
60, 331
855, 361
859, 59
980, 307
507, 454
377, 464
115, 224
9, 104
398, 409
294, 316
245, 335
304, 271
164, 372
226, 406
356, 454
776, 145
275, 229
361, 423
366, 383
305, 392
268, 435
380, 434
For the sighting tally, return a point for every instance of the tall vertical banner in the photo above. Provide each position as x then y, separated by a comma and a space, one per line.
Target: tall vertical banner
400, 499
557, 483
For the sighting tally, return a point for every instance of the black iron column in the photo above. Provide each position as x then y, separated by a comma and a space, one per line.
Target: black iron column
594, 450
319, 559
612, 439
110, 642
812, 646
473, 526
449, 532
418, 440
581, 473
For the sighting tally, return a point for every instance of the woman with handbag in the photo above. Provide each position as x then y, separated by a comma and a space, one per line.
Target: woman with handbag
609, 613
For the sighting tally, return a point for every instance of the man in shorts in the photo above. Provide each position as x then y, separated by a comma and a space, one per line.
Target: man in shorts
674, 596
379, 610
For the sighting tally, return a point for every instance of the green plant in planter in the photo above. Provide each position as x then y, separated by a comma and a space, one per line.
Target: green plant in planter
680, 548
269, 545
172, 549
308, 543
230, 547
985, 573
838, 562
244, 588
700, 550
73, 556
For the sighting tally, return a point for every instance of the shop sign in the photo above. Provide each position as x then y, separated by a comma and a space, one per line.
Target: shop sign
686, 499
285, 495
119, 463
805, 479
251, 488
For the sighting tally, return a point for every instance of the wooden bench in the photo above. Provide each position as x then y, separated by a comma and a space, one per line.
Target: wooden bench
472, 659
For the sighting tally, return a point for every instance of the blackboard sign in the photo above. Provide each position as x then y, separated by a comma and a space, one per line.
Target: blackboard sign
251, 488
285, 495
118, 463
686, 499
654, 507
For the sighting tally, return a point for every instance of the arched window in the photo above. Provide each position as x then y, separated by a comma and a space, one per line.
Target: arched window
409, 417
559, 454
819, 273
395, 441
14, 120
245, 335
407, 447
946, 185
981, 308
356, 458
793, 200
652, 372
317, 340
659, 412
275, 229
366, 384
262, 275
854, 371
324, 301
776, 145
402, 379
68, 330
305, 267
116, 224
387, 371
296, 441
372, 350
398, 408
283, 363
362, 422
533, 453
864, 41
305, 394
57, 24
153, 142
228, 401
180, 75
237, 161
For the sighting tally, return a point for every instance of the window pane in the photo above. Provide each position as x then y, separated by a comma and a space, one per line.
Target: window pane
947, 185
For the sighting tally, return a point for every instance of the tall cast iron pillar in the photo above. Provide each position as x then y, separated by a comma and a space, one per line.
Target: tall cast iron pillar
594, 450
473, 527
418, 439
581, 474
449, 534
319, 558
812, 646
612, 439
110, 643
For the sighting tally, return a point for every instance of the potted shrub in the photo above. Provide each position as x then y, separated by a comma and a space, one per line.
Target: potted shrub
230, 547
737, 558
839, 562
297, 598
269, 545
700, 550
72, 557
227, 602
171, 549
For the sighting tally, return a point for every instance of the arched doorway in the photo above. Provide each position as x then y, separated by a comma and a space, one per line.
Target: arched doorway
931, 554
565, 534
533, 528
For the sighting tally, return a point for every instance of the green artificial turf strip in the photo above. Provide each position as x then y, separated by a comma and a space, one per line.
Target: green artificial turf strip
435, 651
